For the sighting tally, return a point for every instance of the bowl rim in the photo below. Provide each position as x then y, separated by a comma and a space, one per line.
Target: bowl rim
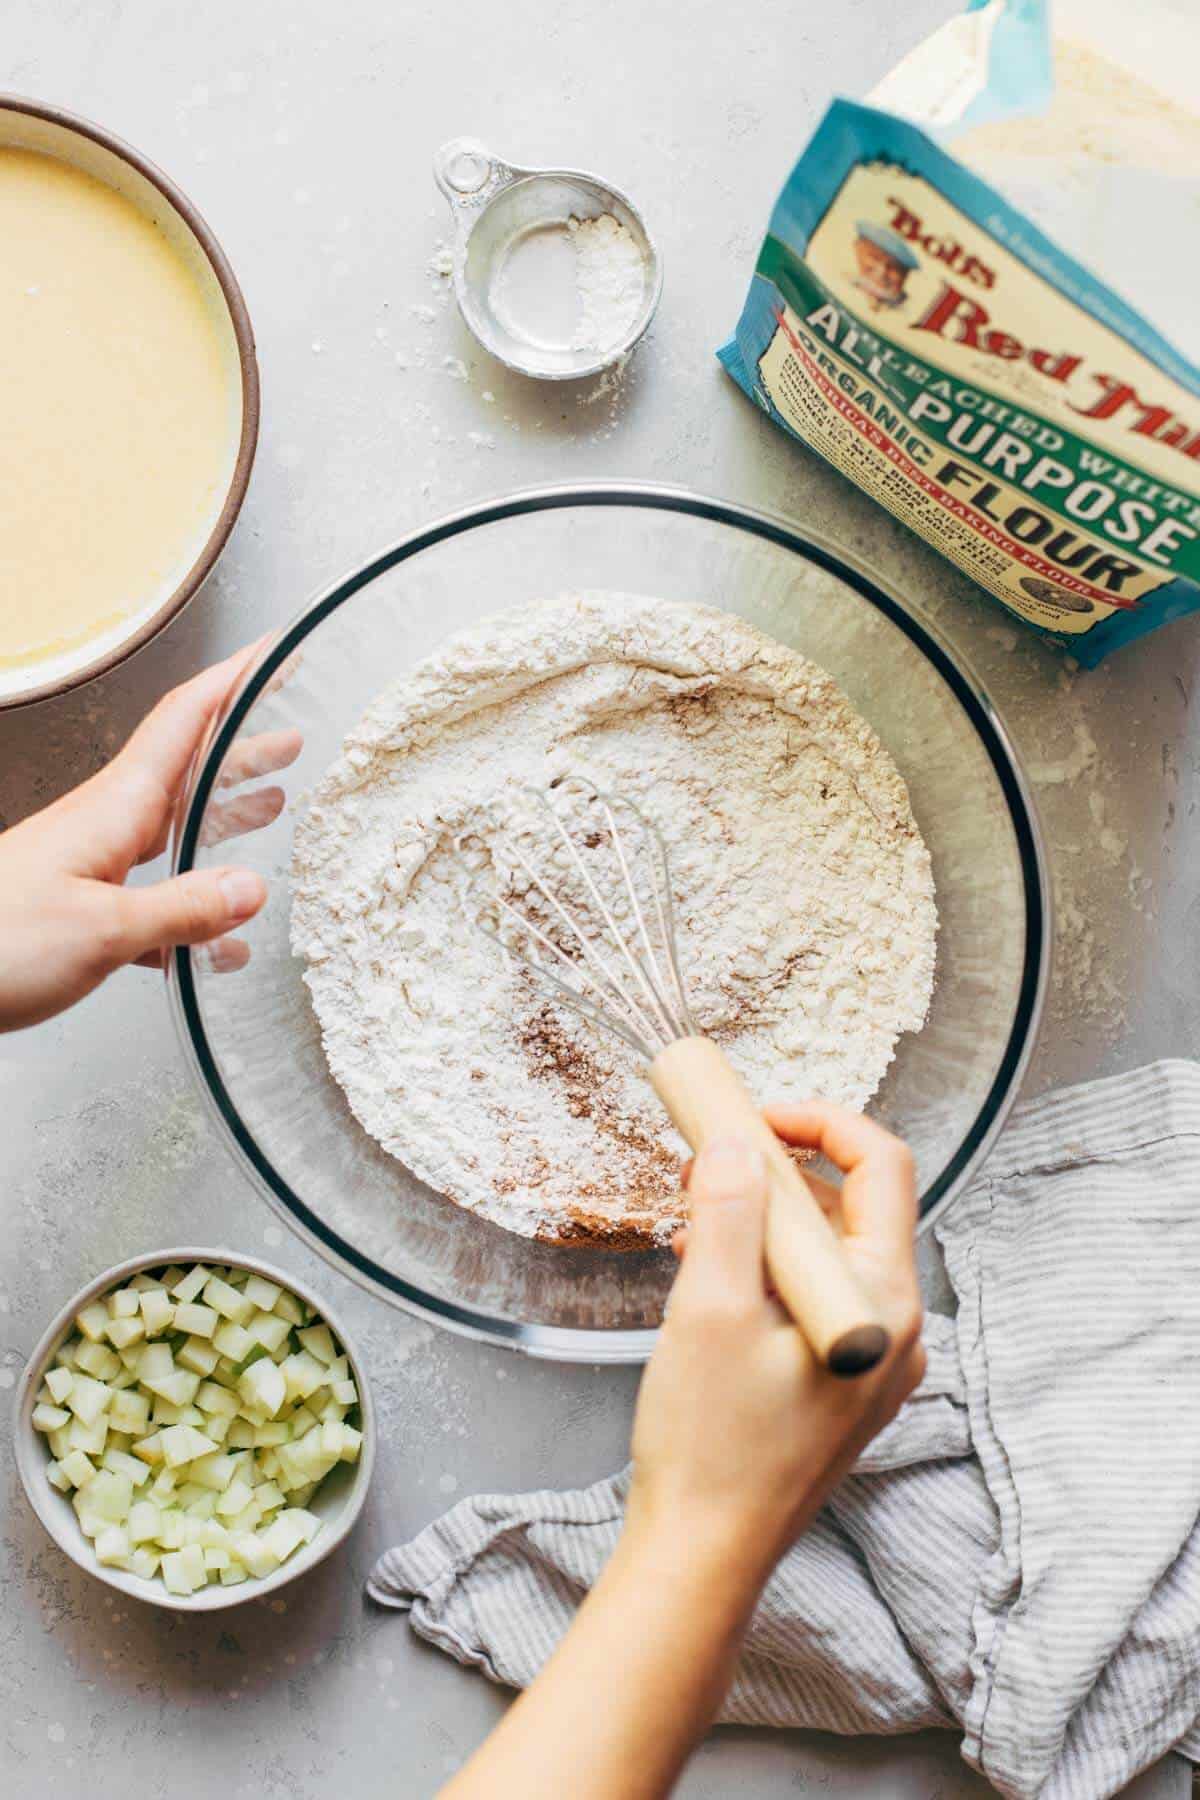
243, 331
566, 1343
30, 1457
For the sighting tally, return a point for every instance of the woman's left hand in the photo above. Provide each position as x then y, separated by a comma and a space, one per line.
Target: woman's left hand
66, 918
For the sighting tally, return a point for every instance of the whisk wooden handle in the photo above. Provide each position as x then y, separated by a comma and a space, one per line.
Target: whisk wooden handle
706, 1098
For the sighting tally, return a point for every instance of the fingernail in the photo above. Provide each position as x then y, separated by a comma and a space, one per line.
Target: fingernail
243, 892
728, 1167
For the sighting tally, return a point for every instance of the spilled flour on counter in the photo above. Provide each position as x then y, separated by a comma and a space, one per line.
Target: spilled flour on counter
806, 913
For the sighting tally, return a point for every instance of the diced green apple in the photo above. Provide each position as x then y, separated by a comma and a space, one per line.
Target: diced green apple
170, 1528
264, 1386
275, 1431
258, 1556
331, 1440
110, 1496
113, 1548
150, 1449
155, 1363
212, 1398
196, 1320
119, 1462
59, 1382
222, 1427
213, 1471
88, 1399
235, 1499
189, 1285
233, 1340
197, 1355
98, 1360
227, 1300
91, 1439
144, 1523
158, 1309
302, 1373
130, 1411
177, 1389
183, 1571
269, 1330
318, 1341
248, 1519
283, 1536
124, 1332
261, 1293
49, 1418
289, 1308
183, 1443
92, 1322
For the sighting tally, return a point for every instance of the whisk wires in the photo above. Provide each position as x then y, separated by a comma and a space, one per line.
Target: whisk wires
610, 955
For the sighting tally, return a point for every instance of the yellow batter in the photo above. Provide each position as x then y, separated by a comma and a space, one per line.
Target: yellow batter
120, 417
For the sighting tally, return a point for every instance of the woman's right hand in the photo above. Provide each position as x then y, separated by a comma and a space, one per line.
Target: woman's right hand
740, 1433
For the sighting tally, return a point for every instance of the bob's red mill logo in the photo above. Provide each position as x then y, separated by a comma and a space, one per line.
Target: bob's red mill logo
958, 317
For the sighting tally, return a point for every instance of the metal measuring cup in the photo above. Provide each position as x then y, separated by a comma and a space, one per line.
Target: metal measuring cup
495, 205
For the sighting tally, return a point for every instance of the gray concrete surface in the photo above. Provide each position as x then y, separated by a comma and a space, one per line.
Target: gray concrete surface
305, 133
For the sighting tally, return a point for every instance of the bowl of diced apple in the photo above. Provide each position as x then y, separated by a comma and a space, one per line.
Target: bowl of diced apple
195, 1428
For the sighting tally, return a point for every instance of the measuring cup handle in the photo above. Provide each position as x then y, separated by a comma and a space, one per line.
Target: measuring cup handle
464, 169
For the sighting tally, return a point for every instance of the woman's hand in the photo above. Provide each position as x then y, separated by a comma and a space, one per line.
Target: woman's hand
740, 1433
67, 920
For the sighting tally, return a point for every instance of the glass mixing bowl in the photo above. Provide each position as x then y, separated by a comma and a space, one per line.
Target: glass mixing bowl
252, 1036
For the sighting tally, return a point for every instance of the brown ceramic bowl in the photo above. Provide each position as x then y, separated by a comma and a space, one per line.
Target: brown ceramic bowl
29, 125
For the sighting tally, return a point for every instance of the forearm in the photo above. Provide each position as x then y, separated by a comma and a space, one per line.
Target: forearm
638, 1678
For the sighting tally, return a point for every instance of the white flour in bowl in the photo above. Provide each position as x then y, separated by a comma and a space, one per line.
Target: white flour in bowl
806, 913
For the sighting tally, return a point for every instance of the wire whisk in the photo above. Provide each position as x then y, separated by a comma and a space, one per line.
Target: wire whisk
574, 886
620, 972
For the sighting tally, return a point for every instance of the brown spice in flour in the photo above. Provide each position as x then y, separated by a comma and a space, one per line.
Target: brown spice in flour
648, 1170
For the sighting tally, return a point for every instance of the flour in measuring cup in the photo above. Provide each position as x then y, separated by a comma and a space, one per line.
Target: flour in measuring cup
610, 278
578, 285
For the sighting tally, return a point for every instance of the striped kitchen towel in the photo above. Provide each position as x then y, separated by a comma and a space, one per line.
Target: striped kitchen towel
1017, 1557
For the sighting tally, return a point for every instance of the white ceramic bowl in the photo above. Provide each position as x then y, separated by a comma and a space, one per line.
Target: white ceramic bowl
337, 1502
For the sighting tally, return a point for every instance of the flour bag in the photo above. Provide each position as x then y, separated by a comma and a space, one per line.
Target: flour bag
970, 301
